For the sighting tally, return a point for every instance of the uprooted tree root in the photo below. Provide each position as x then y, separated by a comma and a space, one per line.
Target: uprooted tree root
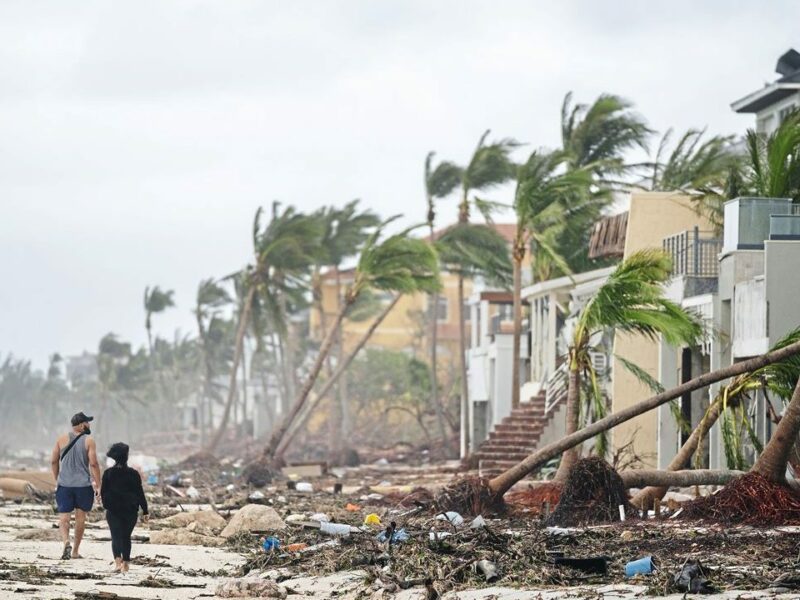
535, 500
592, 493
749, 500
470, 496
199, 460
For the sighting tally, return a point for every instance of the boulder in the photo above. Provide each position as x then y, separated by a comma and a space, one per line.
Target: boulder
206, 519
183, 537
254, 517
39, 535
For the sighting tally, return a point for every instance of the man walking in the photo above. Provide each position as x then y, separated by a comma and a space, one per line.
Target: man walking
74, 463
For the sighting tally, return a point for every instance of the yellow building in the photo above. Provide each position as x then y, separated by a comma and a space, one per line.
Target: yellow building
652, 217
405, 327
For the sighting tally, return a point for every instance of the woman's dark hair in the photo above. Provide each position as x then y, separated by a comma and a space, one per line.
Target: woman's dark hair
119, 453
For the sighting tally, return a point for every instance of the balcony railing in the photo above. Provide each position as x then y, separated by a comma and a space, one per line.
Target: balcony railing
694, 253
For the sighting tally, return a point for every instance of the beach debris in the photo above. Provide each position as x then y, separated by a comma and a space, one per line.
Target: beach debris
350, 507
593, 564
295, 518
257, 495
15, 488
271, 543
192, 492
303, 486
372, 519
397, 535
488, 569
254, 518
248, 587
296, 547
452, 517
478, 523
642, 566
338, 529
691, 579
183, 537
321, 517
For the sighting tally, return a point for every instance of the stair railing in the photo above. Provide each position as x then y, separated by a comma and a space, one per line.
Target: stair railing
556, 388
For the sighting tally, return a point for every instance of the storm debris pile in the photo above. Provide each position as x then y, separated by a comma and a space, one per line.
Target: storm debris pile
593, 493
748, 500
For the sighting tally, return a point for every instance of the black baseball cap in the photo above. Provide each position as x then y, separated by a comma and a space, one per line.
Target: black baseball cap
79, 418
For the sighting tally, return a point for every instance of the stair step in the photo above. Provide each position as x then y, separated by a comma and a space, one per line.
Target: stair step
501, 444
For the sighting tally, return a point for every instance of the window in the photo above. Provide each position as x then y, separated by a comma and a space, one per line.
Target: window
442, 310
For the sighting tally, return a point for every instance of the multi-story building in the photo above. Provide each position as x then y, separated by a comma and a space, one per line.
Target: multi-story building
774, 101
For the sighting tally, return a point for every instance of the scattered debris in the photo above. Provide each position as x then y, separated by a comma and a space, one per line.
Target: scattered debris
692, 579
250, 587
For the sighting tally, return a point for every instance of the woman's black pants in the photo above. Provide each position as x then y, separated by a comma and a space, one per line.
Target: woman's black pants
121, 527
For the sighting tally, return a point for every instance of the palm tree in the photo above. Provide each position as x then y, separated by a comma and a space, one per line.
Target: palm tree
599, 135
211, 296
489, 166
546, 195
693, 164
471, 251
778, 379
772, 462
397, 264
346, 229
155, 301
630, 301
290, 242
440, 182
770, 168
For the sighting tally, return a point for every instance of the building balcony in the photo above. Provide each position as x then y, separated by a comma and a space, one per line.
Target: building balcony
695, 260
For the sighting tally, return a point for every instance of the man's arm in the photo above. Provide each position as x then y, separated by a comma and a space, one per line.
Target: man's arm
94, 466
55, 461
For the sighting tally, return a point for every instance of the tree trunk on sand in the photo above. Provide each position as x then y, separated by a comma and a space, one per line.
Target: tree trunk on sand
311, 378
503, 482
331, 381
462, 351
572, 455
656, 491
515, 352
645, 477
244, 318
772, 462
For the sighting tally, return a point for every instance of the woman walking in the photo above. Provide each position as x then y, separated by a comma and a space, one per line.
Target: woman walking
122, 495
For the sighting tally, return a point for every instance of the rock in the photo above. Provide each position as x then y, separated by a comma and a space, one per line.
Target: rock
183, 537
250, 587
626, 536
207, 519
254, 517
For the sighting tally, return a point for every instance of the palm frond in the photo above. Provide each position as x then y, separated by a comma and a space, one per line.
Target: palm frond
472, 250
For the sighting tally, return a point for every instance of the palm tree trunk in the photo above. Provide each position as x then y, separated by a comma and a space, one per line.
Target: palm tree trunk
434, 341
515, 353
311, 378
772, 462
462, 343
331, 381
688, 478
571, 456
649, 494
503, 482
244, 317
244, 387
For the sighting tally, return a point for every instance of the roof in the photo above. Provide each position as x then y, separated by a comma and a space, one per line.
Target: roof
567, 282
788, 67
608, 237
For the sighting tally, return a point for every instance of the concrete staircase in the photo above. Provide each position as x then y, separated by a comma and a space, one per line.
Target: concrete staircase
514, 438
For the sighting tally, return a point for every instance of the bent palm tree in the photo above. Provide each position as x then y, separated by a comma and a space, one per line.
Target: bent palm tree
440, 182
289, 242
545, 196
489, 166
630, 301
693, 164
156, 300
397, 264
211, 296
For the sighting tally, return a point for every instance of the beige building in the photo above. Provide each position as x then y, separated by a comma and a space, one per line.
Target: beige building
652, 218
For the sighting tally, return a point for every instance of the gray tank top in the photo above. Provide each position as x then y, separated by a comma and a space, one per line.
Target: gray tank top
74, 471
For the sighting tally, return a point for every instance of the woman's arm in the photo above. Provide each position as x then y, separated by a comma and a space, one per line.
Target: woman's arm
140, 493
104, 487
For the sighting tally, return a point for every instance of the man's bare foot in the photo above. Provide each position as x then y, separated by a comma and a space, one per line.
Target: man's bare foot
65, 555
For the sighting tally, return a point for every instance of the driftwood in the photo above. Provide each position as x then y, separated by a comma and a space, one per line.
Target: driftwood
646, 477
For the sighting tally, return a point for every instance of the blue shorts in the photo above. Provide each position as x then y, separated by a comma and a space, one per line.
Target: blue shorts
70, 498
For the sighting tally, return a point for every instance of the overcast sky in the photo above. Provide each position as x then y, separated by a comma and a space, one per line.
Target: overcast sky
138, 138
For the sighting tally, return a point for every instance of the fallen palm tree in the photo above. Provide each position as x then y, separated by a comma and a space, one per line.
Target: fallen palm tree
779, 378
485, 494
